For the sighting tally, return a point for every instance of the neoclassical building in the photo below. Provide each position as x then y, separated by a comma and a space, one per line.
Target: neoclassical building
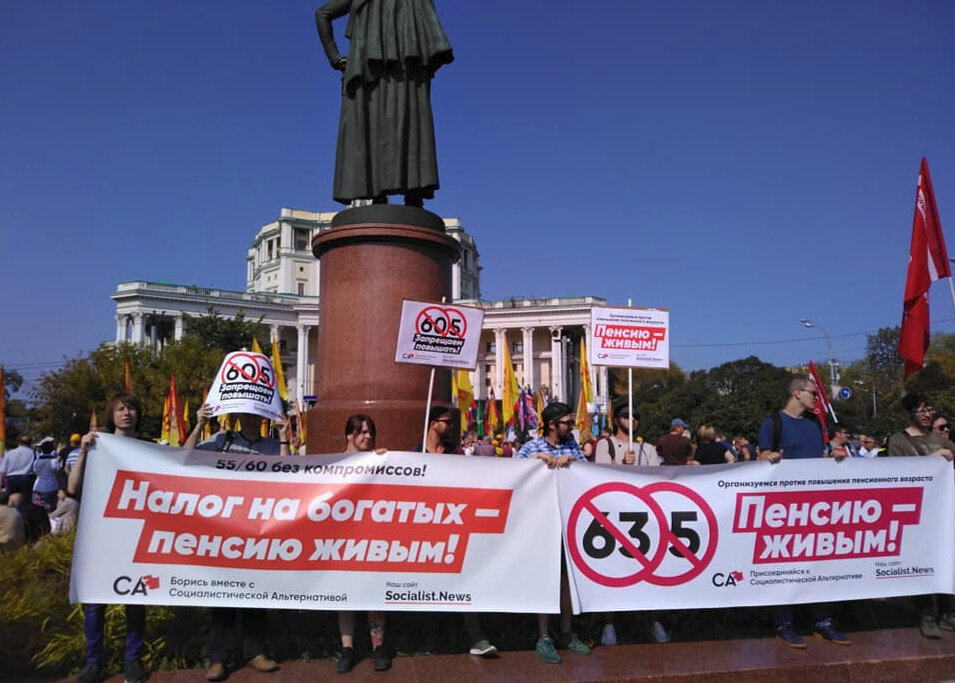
282, 280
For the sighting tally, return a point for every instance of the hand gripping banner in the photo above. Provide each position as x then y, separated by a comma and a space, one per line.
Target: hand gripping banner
399, 531
757, 534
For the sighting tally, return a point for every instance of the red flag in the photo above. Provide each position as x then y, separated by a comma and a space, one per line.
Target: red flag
928, 262
129, 384
822, 401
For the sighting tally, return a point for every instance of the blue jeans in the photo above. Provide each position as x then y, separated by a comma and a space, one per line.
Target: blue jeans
94, 620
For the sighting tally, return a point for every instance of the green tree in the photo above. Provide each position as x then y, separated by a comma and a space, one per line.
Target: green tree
225, 334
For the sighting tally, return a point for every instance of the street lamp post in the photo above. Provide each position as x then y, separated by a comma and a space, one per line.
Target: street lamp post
833, 377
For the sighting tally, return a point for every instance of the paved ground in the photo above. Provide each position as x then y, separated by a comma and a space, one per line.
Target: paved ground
885, 655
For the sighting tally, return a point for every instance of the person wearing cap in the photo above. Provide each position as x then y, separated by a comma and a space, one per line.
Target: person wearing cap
45, 469
675, 448
557, 448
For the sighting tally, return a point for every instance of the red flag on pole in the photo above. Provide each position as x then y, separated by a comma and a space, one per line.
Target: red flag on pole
822, 402
928, 262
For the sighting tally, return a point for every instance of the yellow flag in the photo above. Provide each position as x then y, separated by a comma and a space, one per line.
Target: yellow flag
464, 396
225, 422
255, 346
510, 391
94, 426
186, 425
279, 372
540, 410
584, 421
207, 430
164, 432
264, 428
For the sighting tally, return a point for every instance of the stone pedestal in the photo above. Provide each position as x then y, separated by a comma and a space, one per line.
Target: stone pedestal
373, 257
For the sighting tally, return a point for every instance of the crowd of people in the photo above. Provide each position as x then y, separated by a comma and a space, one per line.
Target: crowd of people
42, 487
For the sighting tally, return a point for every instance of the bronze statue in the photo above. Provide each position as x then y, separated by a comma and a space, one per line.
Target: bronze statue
386, 131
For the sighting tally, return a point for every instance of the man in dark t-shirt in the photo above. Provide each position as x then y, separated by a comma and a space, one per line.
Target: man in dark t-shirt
674, 448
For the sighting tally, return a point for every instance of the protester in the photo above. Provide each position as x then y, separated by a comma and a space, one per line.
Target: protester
123, 418
921, 437
675, 448
795, 433
16, 466
485, 448
227, 622
360, 436
63, 518
940, 426
710, 451
441, 437
617, 449
557, 448
70, 462
12, 530
45, 469
839, 444
587, 444
869, 446
744, 449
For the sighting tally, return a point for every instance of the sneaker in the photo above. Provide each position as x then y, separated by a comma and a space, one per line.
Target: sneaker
217, 672
826, 631
546, 651
658, 633
345, 661
947, 622
789, 637
576, 645
380, 660
609, 635
483, 648
263, 664
92, 673
929, 629
135, 672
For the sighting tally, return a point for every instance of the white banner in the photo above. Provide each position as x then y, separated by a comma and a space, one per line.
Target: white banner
439, 334
245, 383
757, 534
402, 531
630, 337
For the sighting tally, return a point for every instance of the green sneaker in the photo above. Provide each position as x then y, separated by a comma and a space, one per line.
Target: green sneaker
546, 651
577, 646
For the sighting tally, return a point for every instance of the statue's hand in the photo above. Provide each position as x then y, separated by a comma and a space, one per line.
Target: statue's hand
340, 64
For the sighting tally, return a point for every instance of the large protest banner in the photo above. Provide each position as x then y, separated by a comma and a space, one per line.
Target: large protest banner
400, 531
757, 534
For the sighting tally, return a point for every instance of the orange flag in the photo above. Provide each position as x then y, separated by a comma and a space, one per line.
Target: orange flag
129, 384
94, 426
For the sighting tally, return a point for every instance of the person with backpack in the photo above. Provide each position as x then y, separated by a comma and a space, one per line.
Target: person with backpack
794, 433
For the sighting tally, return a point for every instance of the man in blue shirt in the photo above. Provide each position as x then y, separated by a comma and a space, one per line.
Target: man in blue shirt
800, 436
557, 448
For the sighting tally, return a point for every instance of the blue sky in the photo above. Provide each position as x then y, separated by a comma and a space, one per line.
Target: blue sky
744, 164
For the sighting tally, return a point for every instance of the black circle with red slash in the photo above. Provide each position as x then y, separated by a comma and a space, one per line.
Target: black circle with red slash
651, 564
431, 312
258, 378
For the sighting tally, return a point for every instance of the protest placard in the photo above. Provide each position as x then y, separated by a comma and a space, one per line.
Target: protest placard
441, 335
245, 383
630, 337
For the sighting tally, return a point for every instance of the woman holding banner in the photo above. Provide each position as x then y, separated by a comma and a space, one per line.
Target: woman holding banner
123, 418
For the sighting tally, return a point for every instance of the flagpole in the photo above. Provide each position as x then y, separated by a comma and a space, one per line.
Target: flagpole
427, 407
951, 288
630, 395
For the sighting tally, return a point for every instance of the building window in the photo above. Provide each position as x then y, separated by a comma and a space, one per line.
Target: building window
491, 347
301, 289
301, 239
517, 347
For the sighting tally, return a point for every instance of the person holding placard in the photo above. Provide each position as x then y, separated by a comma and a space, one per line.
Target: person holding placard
557, 448
224, 636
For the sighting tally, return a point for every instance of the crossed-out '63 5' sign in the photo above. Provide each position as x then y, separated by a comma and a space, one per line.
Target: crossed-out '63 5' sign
444, 335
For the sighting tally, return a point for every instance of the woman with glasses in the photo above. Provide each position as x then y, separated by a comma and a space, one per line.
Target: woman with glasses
921, 438
940, 426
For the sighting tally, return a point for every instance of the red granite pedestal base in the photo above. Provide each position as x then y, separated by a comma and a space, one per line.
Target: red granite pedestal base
372, 258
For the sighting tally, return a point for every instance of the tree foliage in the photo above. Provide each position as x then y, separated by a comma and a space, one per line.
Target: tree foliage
67, 397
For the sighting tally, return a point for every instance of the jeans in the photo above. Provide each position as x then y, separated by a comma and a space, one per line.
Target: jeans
94, 620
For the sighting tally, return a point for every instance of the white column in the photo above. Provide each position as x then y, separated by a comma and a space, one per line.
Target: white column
180, 325
603, 382
500, 339
301, 360
529, 378
556, 363
274, 332
120, 329
138, 329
